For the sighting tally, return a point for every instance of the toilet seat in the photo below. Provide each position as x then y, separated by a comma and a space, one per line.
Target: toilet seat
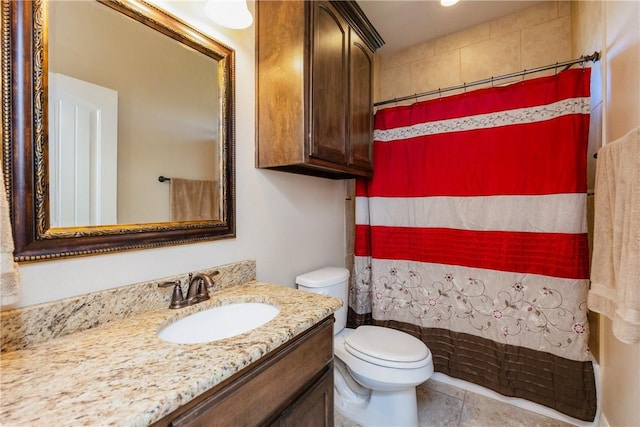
387, 347
377, 374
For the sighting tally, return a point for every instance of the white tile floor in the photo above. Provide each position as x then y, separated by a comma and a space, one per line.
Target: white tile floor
442, 405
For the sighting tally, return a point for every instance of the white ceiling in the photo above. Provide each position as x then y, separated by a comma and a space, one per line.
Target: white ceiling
404, 23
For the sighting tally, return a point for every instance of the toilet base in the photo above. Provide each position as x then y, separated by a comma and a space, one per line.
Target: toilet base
381, 408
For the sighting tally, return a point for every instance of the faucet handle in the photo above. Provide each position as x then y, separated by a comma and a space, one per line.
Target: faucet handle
177, 300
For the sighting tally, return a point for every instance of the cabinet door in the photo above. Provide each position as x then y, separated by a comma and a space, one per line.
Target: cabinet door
329, 94
314, 408
361, 94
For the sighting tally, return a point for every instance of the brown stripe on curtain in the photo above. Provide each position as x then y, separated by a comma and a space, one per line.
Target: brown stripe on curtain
354, 319
562, 384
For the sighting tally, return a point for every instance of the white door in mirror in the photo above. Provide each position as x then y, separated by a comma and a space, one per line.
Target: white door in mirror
218, 323
83, 152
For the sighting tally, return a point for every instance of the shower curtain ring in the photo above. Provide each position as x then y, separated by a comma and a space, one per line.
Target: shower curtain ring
439, 93
492, 82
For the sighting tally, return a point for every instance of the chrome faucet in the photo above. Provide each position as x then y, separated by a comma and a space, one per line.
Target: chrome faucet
199, 285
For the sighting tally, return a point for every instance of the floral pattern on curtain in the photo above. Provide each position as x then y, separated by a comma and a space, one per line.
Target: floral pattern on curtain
472, 236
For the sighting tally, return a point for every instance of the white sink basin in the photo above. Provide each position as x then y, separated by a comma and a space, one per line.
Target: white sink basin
219, 322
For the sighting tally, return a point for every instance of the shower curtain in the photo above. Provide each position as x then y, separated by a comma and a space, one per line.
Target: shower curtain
472, 236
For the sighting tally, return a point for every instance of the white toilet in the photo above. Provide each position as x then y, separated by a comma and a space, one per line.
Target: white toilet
376, 369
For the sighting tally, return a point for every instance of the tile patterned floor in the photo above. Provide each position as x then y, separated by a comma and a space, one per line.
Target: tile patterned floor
443, 405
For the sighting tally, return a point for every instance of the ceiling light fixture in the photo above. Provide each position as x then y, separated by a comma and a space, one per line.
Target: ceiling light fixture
448, 2
229, 13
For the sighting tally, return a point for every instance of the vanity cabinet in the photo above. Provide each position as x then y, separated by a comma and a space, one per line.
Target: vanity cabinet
292, 385
314, 87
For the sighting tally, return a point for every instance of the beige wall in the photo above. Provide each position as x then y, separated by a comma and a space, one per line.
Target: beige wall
613, 28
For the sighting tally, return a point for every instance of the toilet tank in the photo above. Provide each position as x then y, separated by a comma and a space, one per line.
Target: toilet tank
331, 281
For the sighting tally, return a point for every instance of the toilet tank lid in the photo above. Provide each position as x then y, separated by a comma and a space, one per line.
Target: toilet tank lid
323, 277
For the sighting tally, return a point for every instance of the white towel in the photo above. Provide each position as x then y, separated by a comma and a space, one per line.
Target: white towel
615, 271
9, 272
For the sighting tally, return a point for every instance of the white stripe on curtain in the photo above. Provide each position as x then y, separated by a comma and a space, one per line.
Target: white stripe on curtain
553, 213
463, 299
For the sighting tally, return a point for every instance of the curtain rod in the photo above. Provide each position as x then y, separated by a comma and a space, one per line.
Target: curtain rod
595, 56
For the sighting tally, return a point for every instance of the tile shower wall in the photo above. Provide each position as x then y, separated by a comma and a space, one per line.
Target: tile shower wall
586, 32
536, 36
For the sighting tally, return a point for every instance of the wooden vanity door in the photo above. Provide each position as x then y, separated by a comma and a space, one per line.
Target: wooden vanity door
313, 409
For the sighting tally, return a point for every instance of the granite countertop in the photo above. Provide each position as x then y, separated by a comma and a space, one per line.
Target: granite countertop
121, 373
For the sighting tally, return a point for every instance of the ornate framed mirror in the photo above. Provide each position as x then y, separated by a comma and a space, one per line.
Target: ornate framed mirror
196, 75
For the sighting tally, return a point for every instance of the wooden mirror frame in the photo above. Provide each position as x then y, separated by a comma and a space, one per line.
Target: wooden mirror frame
25, 139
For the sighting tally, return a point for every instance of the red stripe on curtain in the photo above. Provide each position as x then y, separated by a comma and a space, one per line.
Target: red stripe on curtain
362, 245
535, 253
506, 160
517, 95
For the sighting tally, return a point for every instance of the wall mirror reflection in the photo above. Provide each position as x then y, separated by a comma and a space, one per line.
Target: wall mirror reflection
129, 128
114, 129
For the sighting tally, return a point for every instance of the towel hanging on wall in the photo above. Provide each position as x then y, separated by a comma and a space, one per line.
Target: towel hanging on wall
9, 272
193, 200
615, 272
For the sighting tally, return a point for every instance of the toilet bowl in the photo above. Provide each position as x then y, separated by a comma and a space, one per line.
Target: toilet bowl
376, 369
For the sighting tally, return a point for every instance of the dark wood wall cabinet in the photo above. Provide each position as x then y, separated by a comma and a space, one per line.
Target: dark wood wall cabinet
314, 64
291, 386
